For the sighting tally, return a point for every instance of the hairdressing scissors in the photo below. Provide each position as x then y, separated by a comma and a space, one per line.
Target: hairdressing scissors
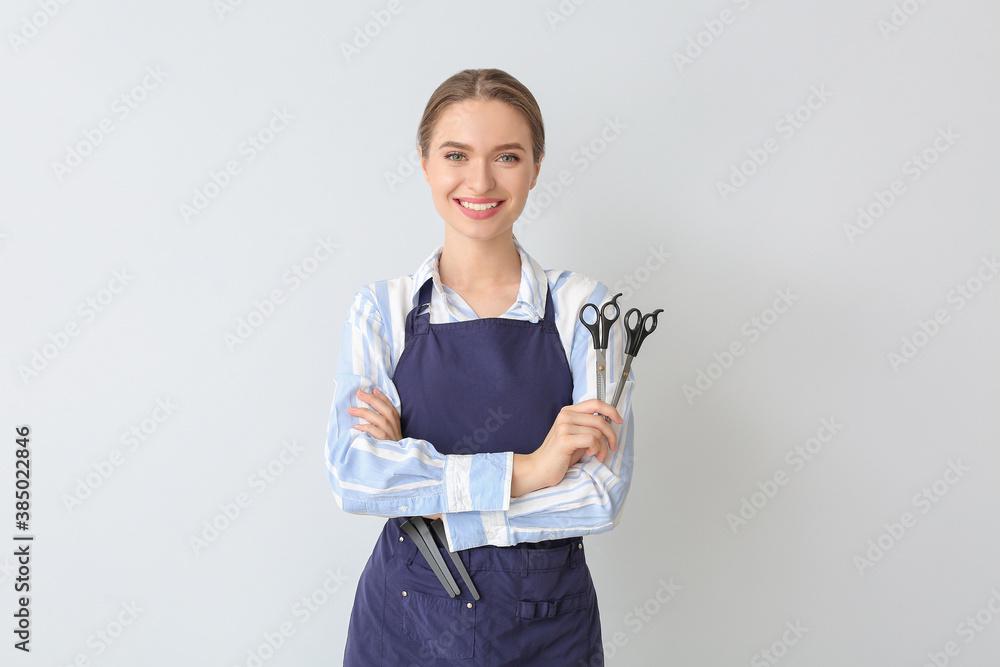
600, 331
417, 529
636, 333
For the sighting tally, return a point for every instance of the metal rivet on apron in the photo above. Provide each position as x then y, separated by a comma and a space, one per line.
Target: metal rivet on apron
404, 594
400, 538
578, 546
469, 605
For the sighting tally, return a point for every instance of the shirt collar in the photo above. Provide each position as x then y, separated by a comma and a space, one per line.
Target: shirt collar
530, 295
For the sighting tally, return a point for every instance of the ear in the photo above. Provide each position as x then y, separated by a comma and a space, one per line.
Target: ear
538, 167
423, 164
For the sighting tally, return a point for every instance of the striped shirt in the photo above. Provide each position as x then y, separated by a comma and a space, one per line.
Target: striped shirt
472, 491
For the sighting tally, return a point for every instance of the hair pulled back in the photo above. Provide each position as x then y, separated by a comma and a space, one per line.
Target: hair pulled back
483, 84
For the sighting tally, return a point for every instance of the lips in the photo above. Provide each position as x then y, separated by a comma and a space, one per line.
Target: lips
478, 208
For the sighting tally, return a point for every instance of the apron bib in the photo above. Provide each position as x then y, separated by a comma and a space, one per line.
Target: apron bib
485, 385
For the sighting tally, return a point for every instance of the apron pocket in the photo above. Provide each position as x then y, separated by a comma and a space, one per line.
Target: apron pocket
551, 608
443, 627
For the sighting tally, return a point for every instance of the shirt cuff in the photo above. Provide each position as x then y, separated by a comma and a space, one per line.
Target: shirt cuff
478, 482
466, 530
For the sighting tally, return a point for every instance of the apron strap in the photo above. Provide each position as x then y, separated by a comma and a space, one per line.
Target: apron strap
418, 320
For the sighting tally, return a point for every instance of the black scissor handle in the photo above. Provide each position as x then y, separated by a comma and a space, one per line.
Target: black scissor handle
601, 327
595, 327
638, 330
608, 321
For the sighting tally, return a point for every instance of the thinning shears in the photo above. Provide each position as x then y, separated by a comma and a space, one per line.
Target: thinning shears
636, 333
600, 331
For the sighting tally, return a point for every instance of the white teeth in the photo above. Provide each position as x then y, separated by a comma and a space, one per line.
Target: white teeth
478, 207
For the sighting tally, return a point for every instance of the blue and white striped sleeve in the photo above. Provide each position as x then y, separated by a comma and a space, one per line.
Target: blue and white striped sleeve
408, 477
591, 496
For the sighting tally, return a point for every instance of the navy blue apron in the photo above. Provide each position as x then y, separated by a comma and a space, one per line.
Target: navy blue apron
484, 385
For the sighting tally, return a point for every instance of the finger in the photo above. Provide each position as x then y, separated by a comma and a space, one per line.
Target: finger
378, 401
590, 406
593, 447
597, 423
593, 426
377, 406
609, 410
369, 416
587, 440
381, 394
601, 447
392, 416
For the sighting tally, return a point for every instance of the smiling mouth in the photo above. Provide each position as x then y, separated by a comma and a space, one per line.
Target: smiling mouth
485, 206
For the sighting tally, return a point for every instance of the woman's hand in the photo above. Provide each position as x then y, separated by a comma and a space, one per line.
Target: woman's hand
383, 420
576, 431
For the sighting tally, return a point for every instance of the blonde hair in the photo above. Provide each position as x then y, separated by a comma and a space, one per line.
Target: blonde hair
483, 84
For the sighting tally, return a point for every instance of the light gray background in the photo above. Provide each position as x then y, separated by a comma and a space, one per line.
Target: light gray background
681, 130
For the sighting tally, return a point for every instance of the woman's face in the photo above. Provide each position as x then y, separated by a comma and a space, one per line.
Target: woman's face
479, 166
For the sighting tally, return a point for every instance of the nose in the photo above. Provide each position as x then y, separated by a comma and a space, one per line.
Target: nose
479, 178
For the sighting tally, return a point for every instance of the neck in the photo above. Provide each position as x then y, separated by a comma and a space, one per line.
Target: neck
472, 263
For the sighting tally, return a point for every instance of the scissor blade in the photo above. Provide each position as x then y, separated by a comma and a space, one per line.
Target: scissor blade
621, 380
602, 369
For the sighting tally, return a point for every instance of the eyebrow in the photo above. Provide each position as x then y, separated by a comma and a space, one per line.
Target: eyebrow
466, 147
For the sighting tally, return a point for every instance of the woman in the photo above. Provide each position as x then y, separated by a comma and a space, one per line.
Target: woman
481, 414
